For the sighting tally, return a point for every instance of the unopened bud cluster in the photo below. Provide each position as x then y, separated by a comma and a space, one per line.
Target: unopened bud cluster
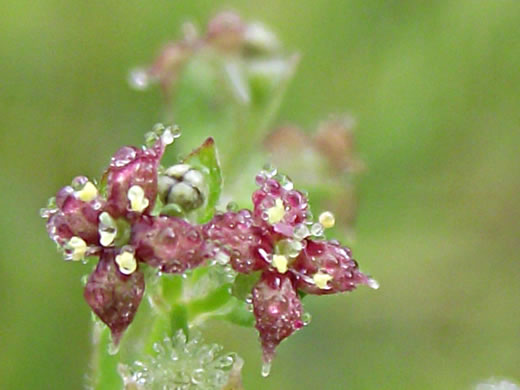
182, 185
182, 365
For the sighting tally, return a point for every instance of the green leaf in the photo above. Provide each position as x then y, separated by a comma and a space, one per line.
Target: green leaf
244, 284
205, 158
213, 301
239, 314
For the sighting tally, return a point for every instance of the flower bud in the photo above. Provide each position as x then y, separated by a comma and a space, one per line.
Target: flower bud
182, 185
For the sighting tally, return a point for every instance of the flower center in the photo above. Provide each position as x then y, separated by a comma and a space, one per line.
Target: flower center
280, 263
276, 213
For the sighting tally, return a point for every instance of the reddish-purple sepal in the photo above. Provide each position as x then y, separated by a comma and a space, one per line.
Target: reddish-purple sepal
235, 234
168, 243
112, 296
335, 269
277, 309
130, 167
74, 217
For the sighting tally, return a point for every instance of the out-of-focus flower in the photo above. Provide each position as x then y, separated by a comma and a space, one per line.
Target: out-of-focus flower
249, 51
280, 240
120, 229
323, 161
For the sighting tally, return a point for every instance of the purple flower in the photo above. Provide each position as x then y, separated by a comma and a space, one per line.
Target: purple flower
276, 240
120, 230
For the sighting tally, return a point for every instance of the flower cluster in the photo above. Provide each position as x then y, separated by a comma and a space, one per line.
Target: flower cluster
121, 224
279, 239
122, 230
227, 34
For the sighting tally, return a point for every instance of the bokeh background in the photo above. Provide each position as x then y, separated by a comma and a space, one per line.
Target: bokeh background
435, 88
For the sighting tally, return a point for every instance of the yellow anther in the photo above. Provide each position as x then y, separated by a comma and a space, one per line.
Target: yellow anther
321, 279
280, 263
88, 192
126, 262
276, 213
327, 219
138, 202
78, 248
107, 229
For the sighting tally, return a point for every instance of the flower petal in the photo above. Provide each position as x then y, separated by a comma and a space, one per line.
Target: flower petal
236, 235
277, 309
113, 296
74, 217
325, 267
133, 172
168, 243
279, 207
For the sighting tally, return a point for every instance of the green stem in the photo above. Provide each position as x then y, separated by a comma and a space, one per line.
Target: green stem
105, 375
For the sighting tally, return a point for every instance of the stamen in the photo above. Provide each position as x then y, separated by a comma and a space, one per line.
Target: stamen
321, 279
280, 263
76, 248
327, 219
276, 213
107, 229
126, 262
88, 192
138, 202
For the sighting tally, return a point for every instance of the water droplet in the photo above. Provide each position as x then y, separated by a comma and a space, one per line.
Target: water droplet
224, 362
300, 232
372, 283
113, 349
84, 280
269, 170
232, 206
306, 318
317, 229
139, 79
222, 258
198, 376
266, 369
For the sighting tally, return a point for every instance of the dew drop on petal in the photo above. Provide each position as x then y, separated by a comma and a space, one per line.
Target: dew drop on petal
306, 318
232, 206
266, 369
317, 229
372, 283
269, 170
300, 232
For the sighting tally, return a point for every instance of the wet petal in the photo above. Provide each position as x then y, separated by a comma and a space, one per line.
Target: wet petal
235, 234
113, 296
168, 243
278, 311
132, 179
325, 267
74, 217
279, 207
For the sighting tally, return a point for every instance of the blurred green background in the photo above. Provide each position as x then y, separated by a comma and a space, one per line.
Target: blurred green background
435, 88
